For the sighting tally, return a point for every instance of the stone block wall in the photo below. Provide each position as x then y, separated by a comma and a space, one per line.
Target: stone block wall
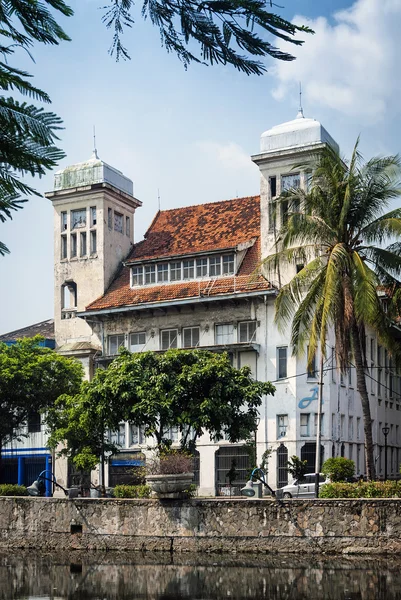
202, 525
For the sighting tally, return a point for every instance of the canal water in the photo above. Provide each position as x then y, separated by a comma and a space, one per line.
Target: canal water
129, 576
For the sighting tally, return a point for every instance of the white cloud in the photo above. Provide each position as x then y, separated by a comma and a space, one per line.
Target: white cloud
229, 155
351, 65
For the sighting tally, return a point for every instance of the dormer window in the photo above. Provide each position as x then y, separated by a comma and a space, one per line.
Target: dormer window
175, 271
150, 274
215, 266
137, 275
183, 270
162, 272
189, 269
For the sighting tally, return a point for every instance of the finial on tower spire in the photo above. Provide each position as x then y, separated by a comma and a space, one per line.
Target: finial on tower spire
300, 114
94, 153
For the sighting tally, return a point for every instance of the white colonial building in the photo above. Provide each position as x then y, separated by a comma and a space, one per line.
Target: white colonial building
191, 283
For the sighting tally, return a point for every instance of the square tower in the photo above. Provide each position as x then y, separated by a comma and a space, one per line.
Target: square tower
94, 208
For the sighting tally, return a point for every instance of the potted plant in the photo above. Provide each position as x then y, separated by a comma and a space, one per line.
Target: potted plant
170, 473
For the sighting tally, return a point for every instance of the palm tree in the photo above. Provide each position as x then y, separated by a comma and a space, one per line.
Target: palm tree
338, 229
27, 133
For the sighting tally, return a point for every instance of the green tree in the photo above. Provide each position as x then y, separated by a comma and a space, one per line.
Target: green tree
32, 377
338, 230
297, 468
195, 391
221, 30
27, 133
338, 468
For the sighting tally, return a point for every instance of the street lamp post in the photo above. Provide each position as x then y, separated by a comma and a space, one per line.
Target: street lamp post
385, 431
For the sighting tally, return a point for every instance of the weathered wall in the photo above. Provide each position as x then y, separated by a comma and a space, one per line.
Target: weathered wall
331, 526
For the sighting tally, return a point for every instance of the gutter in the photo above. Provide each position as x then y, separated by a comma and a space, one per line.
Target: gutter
167, 303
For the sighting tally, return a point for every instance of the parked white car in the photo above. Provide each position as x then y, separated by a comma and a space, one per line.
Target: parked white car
303, 488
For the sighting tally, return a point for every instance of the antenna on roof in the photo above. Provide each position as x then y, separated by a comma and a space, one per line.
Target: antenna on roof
300, 114
94, 153
158, 198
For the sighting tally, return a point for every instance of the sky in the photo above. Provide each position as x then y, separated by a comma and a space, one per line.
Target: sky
187, 135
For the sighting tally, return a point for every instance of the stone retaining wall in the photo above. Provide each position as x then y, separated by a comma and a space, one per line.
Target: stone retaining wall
202, 525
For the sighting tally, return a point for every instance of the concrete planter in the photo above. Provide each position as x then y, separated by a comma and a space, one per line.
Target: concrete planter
170, 485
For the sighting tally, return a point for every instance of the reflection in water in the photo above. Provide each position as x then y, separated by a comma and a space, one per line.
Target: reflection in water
130, 576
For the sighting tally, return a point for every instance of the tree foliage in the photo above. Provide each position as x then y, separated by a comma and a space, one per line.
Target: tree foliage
338, 468
195, 391
339, 229
31, 379
297, 468
27, 133
222, 31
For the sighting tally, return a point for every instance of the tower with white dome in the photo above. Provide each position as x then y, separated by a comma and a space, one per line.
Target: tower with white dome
94, 208
283, 149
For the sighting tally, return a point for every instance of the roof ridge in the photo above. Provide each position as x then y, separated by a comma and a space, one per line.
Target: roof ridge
254, 196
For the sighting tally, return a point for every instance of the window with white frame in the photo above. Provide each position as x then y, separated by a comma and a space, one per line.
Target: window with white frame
190, 337
358, 428
64, 221
342, 426
137, 435
333, 426
191, 268
350, 428
150, 273
127, 226
169, 338
137, 275
201, 267
282, 425
224, 334
247, 331
282, 362
78, 218
304, 424
321, 424
188, 269
175, 271
115, 342
162, 272
137, 341
118, 437
215, 266
228, 264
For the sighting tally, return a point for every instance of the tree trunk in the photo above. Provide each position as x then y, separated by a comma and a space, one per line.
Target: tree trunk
362, 389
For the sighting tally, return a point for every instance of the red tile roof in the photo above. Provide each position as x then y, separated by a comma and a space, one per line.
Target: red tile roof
203, 228
200, 228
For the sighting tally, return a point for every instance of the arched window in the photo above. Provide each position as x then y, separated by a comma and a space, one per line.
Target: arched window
69, 297
308, 453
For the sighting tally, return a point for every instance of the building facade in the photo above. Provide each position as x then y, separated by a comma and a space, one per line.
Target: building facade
197, 280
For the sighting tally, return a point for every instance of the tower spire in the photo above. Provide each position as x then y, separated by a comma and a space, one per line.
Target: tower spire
94, 153
300, 114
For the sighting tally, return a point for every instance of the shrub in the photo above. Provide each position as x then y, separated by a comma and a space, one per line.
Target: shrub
338, 469
11, 489
362, 489
132, 491
170, 462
